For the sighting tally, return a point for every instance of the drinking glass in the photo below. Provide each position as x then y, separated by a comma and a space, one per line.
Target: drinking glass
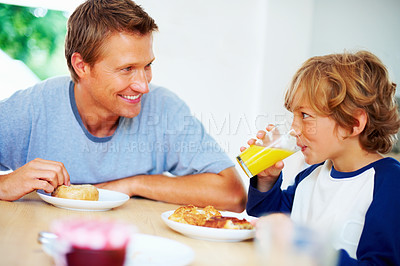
280, 241
278, 144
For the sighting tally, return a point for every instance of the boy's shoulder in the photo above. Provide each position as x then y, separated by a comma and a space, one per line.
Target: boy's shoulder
387, 164
387, 172
307, 171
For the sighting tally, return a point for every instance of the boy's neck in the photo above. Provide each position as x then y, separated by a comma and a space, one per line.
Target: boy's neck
354, 162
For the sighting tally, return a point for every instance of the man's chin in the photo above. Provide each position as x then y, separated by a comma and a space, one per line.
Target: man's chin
130, 115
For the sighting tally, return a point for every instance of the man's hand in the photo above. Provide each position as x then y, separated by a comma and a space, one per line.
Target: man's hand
37, 174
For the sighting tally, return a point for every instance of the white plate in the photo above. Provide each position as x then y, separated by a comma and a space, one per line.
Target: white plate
213, 234
108, 199
153, 250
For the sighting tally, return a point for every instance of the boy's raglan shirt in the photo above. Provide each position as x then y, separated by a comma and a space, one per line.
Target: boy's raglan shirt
362, 208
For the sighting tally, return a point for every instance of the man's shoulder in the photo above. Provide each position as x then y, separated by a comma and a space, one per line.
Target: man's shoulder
53, 87
159, 92
53, 83
161, 97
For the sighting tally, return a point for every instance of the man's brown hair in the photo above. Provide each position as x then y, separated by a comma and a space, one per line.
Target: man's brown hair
96, 20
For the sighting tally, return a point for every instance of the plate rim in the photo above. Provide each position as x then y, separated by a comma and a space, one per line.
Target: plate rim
84, 205
217, 234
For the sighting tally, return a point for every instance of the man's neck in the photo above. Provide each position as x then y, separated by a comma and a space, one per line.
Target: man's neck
100, 127
95, 120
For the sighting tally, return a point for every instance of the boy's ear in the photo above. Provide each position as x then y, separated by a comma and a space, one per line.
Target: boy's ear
362, 118
81, 68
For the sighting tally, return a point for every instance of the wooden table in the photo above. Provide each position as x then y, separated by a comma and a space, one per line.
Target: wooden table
22, 220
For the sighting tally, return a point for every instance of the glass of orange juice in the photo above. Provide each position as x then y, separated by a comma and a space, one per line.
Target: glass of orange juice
277, 144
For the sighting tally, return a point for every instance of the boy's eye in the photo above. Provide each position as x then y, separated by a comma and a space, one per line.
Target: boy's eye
305, 115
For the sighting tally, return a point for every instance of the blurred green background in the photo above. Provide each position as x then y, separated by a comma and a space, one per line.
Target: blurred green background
36, 37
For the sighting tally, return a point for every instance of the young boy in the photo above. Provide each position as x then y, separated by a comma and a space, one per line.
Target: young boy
346, 116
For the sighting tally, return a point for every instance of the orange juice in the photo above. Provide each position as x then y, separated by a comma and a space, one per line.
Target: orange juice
258, 158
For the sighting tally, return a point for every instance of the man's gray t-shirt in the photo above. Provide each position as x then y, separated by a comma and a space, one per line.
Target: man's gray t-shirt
43, 122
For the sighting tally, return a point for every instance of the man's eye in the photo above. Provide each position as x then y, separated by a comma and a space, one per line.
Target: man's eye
127, 69
148, 66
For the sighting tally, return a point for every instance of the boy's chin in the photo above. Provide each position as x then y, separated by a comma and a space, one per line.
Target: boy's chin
312, 161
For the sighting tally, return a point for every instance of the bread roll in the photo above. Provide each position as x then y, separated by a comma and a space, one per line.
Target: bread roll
77, 192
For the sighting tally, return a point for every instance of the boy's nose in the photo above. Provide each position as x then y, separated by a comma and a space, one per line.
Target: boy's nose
297, 128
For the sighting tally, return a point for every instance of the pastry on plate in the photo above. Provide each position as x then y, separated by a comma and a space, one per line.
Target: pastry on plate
228, 223
208, 217
190, 214
77, 192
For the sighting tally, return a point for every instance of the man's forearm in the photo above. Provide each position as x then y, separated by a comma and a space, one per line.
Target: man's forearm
225, 190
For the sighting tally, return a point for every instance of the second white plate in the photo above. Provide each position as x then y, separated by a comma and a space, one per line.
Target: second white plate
148, 250
213, 234
108, 199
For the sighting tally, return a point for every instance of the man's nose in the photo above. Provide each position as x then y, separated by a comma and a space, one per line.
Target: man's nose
140, 82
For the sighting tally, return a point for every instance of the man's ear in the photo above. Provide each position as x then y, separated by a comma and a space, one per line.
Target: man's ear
362, 119
81, 68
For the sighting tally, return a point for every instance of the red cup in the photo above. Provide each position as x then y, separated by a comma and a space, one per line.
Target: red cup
92, 242
85, 257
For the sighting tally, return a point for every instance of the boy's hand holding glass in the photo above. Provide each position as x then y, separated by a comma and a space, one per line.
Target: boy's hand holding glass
264, 156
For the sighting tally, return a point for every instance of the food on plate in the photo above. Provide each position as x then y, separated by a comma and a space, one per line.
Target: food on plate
228, 223
77, 192
208, 217
190, 214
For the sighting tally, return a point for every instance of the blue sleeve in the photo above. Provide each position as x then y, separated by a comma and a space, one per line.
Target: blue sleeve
16, 118
260, 203
380, 239
275, 200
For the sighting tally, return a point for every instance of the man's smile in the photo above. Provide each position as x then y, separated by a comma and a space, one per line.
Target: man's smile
132, 98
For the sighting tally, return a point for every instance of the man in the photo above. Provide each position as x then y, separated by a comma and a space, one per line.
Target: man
110, 127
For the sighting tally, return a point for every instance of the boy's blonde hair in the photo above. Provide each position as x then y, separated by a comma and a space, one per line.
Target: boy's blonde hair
338, 85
